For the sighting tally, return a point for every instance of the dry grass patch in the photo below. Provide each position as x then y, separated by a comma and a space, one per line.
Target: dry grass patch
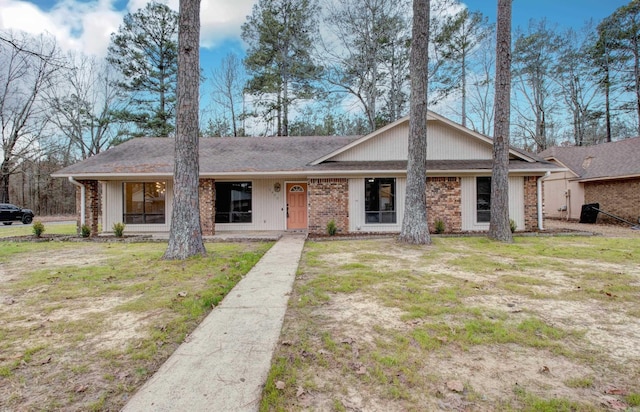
464, 324
83, 325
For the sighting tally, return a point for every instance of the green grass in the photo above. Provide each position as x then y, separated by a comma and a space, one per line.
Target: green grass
458, 296
580, 382
63, 310
633, 399
18, 229
529, 402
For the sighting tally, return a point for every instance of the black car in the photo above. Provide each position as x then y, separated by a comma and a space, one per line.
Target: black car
11, 213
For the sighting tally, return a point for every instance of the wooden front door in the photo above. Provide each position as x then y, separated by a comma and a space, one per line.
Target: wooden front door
296, 206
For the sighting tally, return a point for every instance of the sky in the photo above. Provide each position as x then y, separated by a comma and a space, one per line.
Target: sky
86, 25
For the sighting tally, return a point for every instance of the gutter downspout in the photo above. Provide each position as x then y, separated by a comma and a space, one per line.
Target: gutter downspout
82, 199
539, 189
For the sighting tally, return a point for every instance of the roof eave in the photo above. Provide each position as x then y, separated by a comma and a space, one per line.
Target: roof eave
110, 176
594, 179
307, 172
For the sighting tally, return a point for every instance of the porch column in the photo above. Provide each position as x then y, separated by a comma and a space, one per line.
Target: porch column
328, 200
207, 189
92, 204
531, 203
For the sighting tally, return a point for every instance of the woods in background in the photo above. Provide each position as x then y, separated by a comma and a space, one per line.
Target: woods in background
310, 69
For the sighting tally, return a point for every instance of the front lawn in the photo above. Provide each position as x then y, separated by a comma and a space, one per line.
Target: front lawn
84, 324
544, 324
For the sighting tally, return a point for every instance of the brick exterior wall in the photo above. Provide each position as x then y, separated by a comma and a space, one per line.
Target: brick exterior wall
531, 203
92, 205
618, 197
207, 190
444, 202
328, 199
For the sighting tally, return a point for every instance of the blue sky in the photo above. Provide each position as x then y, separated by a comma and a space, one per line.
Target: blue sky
86, 24
565, 13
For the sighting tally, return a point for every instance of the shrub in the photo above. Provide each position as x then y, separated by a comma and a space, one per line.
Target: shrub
512, 225
439, 226
118, 229
85, 231
332, 228
38, 228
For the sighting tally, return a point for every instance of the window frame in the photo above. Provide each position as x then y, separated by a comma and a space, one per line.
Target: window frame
377, 215
147, 218
481, 210
234, 216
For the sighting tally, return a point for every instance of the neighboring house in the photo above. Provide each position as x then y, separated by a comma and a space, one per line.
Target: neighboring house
302, 183
608, 174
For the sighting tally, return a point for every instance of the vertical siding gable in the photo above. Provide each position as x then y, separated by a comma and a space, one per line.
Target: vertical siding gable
447, 143
389, 145
443, 143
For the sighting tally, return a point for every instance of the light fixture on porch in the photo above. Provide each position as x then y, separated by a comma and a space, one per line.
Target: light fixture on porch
276, 187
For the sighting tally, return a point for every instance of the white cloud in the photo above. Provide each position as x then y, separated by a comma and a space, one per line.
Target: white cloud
76, 26
87, 26
222, 19
219, 19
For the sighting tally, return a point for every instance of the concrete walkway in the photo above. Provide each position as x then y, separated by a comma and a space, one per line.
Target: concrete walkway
224, 364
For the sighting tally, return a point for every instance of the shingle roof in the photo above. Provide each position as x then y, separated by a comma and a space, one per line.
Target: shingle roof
603, 161
243, 154
154, 156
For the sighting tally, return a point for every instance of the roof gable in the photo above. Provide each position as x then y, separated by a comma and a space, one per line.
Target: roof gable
446, 140
603, 161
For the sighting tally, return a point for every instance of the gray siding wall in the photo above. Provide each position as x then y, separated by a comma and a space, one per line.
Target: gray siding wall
113, 208
356, 207
516, 203
268, 207
443, 142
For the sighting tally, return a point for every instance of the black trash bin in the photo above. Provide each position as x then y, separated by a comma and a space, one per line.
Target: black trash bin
589, 213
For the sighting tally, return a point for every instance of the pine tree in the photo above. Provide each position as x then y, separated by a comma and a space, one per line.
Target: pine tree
499, 228
144, 51
280, 34
414, 225
185, 238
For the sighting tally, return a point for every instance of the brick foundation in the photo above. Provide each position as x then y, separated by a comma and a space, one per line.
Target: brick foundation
92, 205
328, 200
618, 197
530, 203
207, 191
444, 202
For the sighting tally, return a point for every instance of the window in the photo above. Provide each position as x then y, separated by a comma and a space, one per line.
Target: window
233, 202
380, 200
144, 202
483, 199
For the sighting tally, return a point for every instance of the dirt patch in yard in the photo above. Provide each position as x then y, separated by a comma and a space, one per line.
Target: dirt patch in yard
48, 259
84, 324
464, 325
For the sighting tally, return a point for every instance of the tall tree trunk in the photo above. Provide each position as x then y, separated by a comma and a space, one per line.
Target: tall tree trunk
607, 104
185, 238
279, 114
636, 79
463, 82
415, 228
499, 228
4, 186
